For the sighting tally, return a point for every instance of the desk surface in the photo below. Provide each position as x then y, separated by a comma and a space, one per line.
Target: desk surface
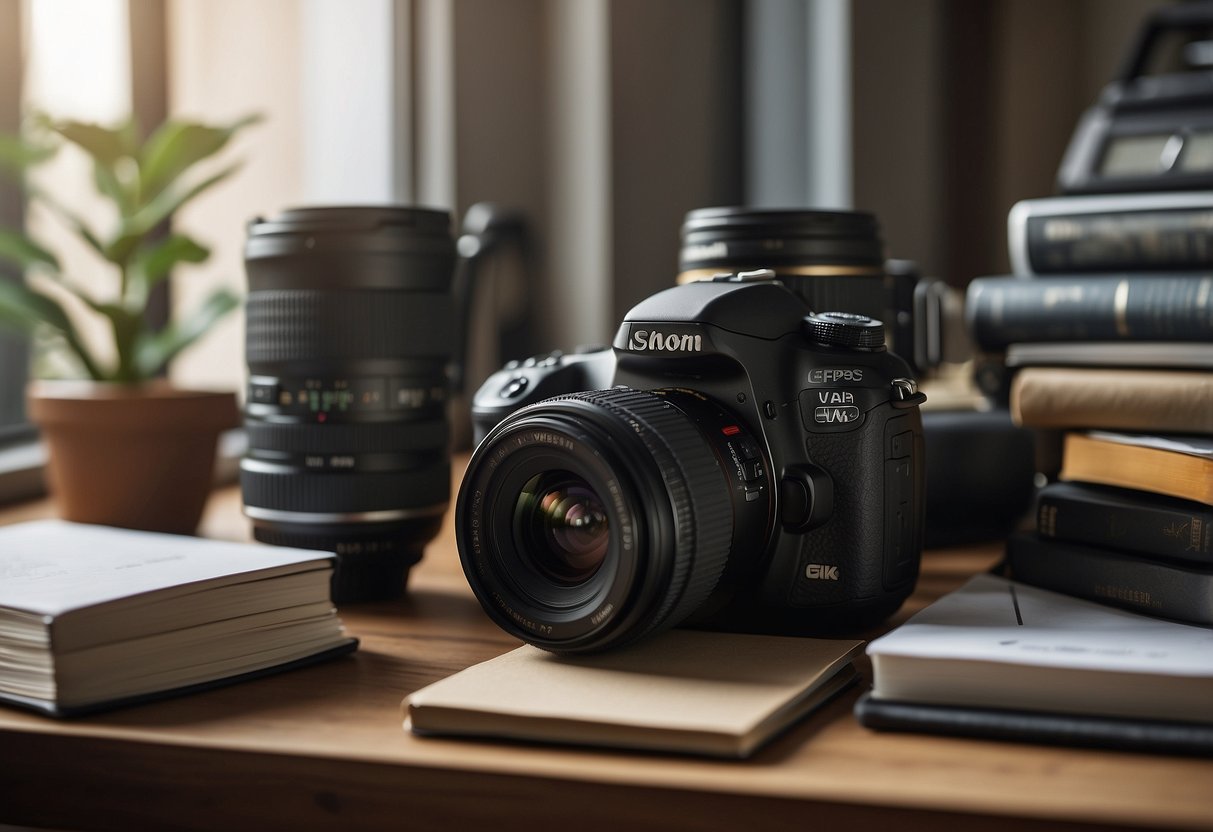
323, 748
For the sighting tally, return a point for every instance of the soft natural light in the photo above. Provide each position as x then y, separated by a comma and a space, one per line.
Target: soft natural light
77, 66
78, 58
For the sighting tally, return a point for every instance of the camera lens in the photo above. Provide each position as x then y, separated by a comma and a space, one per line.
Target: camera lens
831, 259
588, 521
349, 332
562, 524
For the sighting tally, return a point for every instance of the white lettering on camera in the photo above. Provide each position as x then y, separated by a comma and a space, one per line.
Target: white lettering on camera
643, 339
821, 572
832, 374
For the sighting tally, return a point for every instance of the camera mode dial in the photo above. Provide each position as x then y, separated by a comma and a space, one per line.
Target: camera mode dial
844, 329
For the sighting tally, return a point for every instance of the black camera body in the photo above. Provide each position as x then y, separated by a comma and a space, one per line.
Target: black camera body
782, 448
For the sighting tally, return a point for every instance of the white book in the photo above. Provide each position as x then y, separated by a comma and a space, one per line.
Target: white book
996, 643
92, 615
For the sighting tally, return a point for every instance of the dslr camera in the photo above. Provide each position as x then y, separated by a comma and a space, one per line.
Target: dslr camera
735, 462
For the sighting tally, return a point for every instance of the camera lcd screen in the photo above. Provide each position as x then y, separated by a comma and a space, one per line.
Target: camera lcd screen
1197, 156
1134, 155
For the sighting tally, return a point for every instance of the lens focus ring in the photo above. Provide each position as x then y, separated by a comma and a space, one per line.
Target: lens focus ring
308, 325
340, 493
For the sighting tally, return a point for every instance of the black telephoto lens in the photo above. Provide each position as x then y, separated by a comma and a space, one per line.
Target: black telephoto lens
350, 330
589, 521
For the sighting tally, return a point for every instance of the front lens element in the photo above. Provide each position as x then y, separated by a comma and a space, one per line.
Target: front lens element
562, 525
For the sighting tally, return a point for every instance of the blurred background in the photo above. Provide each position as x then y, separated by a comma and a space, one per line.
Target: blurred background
603, 121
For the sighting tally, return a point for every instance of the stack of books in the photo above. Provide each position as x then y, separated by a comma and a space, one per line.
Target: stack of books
94, 618
1106, 334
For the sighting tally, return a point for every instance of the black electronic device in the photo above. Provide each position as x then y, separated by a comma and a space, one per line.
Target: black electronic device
1152, 127
756, 468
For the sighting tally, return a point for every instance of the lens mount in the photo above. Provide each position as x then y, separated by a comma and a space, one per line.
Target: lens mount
656, 503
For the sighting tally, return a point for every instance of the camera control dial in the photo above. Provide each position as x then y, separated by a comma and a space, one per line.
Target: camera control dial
843, 329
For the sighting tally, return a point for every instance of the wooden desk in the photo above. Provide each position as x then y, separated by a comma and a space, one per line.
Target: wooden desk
322, 748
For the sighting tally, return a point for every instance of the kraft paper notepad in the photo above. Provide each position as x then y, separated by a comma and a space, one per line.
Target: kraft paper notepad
717, 694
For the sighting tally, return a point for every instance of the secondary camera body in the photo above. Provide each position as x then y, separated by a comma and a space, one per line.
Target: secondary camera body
754, 468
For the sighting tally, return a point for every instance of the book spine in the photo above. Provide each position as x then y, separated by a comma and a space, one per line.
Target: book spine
1153, 401
1147, 586
1104, 241
1009, 310
1147, 526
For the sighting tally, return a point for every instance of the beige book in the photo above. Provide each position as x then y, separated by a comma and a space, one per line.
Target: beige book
1159, 401
718, 694
1132, 462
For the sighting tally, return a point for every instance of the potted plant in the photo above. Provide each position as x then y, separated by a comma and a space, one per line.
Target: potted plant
126, 447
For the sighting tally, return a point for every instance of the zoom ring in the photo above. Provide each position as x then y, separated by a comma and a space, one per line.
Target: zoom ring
698, 492
341, 493
310, 325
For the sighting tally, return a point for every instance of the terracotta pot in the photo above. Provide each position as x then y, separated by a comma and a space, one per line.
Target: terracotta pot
137, 456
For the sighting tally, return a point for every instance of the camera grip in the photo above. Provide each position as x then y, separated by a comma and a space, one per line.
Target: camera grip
869, 548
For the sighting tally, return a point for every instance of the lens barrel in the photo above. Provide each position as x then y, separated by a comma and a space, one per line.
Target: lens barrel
588, 521
831, 259
350, 328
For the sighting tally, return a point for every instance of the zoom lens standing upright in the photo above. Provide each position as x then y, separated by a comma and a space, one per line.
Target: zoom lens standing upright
350, 330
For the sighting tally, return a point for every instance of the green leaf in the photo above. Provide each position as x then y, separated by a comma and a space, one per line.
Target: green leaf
105, 144
128, 329
135, 228
113, 150
17, 154
23, 309
155, 350
18, 248
106, 179
68, 218
177, 146
155, 262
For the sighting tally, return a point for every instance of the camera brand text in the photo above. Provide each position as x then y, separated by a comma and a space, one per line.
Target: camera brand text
644, 339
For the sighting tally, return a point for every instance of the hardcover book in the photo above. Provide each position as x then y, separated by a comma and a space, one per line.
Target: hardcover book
1116, 232
715, 694
1173, 355
1170, 401
1009, 310
1177, 466
1132, 521
1000, 658
93, 617
1168, 589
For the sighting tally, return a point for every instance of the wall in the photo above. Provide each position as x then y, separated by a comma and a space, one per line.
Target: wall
962, 108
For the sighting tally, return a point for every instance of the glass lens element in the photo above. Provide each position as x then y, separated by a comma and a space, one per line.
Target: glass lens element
562, 527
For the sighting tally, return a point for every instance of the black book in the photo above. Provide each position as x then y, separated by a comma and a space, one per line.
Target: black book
1174, 590
1008, 310
1117, 232
1083, 730
1132, 521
